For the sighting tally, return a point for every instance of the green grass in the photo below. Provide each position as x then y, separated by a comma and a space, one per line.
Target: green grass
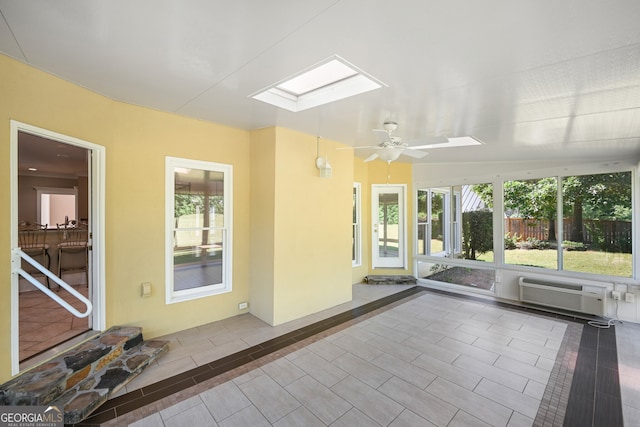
610, 264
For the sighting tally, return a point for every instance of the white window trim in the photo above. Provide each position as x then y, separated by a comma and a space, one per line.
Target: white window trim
358, 243
172, 296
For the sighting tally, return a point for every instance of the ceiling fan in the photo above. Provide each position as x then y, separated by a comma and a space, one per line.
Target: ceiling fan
390, 147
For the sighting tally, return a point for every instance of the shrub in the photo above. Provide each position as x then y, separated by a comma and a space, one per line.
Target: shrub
573, 246
533, 243
511, 242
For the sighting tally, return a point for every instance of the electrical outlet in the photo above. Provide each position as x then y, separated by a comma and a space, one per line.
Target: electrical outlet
616, 295
243, 306
629, 297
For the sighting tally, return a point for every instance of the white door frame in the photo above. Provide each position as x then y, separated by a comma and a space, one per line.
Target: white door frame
97, 215
401, 260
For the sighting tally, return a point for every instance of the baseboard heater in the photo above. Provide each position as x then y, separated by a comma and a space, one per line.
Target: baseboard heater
567, 296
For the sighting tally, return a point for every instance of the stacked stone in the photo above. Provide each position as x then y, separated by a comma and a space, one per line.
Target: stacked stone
83, 378
390, 280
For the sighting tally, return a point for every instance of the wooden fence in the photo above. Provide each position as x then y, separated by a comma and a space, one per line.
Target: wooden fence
610, 234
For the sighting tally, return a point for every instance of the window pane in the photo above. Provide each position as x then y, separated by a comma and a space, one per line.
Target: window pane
530, 208
597, 224
437, 241
356, 234
388, 223
199, 198
422, 221
477, 221
198, 264
355, 206
199, 228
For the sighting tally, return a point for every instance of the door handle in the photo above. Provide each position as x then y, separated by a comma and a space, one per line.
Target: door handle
375, 228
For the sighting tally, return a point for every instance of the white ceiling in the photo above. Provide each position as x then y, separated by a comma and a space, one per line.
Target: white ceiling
533, 79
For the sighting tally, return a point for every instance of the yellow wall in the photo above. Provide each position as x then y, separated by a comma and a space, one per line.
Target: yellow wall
137, 141
33, 97
361, 175
135, 202
263, 181
292, 229
312, 266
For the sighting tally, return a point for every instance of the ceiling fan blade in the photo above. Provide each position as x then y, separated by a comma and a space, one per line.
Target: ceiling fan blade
382, 136
368, 146
416, 154
433, 140
371, 157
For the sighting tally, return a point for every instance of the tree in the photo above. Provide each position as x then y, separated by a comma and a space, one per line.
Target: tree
600, 196
530, 199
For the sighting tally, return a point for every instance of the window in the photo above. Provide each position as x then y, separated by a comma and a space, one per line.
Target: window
476, 222
574, 223
588, 231
56, 205
597, 224
356, 228
199, 237
531, 210
456, 222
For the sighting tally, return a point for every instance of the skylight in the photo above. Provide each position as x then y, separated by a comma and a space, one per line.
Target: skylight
328, 81
461, 141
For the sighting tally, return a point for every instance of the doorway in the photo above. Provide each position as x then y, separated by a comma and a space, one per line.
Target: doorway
57, 190
389, 232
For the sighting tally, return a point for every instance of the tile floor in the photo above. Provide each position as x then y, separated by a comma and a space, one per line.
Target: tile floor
629, 371
44, 323
430, 359
195, 347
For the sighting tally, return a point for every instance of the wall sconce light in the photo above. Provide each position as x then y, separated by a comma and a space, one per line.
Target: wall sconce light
322, 163
325, 168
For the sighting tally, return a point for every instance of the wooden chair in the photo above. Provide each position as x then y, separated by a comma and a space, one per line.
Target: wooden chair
73, 237
32, 239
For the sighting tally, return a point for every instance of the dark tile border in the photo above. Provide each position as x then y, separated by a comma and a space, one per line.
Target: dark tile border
587, 352
595, 392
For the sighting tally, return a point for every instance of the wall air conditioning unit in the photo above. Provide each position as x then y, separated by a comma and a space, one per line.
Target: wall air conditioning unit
567, 296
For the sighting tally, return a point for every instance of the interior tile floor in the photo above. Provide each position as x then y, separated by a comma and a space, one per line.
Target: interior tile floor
44, 323
428, 359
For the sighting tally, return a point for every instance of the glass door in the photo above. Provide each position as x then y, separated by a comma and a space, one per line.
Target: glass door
389, 232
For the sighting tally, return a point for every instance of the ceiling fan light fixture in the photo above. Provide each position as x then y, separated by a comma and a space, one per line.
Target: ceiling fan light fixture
389, 154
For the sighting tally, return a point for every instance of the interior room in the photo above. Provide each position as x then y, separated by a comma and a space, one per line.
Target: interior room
52, 197
207, 157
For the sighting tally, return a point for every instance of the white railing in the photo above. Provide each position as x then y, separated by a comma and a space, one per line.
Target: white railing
18, 254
